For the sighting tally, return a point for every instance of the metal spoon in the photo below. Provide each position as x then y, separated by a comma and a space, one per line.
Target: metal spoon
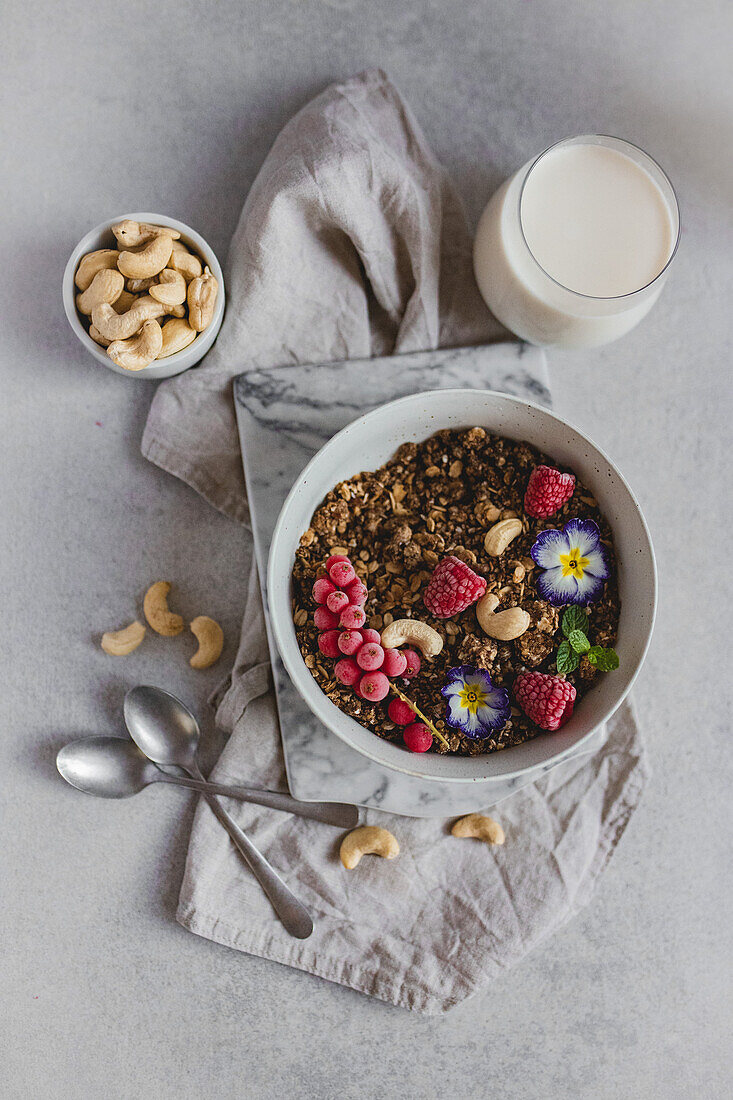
168, 733
112, 767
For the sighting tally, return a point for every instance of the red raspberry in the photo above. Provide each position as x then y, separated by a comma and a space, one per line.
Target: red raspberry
333, 559
395, 663
547, 491
370, 635
413, 663
453, 587
322, 589
370, 657
348, 672
325, 619
399, 712
342, 573
547, 701
349, 641
328, 643
352, 617
336, 601
357, 592
373, 686
417, 737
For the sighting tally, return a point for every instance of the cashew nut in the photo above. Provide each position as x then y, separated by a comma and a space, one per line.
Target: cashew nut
106, 286
183, 260
121, 326
177, 335
155, 606
119, 643
125, 301
130, 234
499, 536
211, 641
176, 311
170, 288
96, 335
201, 299
101, 260
480, 827
139, 351
135, 286
152, 259
504, 626
412, 632
367, 840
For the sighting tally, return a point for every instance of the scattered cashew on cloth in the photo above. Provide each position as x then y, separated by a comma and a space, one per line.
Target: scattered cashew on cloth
321, 268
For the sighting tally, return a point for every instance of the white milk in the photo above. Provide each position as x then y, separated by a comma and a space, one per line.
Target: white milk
570, 250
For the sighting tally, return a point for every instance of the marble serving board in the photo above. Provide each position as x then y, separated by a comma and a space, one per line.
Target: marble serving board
285, 415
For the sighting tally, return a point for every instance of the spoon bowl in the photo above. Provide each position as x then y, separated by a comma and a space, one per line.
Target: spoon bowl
162, 726
109, 767
168, 733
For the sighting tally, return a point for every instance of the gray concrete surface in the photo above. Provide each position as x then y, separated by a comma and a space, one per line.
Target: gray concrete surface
172, 107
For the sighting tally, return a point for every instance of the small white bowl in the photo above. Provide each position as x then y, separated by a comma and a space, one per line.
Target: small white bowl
102, 237
369, 442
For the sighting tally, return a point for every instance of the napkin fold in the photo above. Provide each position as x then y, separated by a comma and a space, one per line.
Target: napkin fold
352, 243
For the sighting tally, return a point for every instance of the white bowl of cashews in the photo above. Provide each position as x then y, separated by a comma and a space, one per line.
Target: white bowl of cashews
372, 440
145, 295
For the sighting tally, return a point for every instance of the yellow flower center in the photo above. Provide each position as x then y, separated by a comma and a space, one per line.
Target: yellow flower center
573, 564
472, 698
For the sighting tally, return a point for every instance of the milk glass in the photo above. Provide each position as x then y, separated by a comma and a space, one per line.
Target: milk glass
574, 249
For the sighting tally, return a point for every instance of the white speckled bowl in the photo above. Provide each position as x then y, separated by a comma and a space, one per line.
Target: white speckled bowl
373, 439
102, 237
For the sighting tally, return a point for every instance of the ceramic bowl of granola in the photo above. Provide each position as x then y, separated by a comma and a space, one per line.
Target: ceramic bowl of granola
462, 586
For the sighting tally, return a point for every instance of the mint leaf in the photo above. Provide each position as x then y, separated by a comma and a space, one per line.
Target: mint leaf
567, 659
605, 660
574, 618
608, 660
578, 641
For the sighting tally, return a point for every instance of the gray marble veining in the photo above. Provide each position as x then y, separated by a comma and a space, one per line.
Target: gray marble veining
285, 415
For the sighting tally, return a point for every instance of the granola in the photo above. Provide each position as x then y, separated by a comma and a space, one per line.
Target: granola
432, 499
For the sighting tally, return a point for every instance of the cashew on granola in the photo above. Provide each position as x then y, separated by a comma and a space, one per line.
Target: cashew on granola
210, 637
479, 827
118, 643
367, 840
499, 536
412, 632
139, 351
504, 626
155, 606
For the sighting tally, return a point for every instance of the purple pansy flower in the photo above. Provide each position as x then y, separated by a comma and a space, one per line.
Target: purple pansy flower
574, 563
474, 704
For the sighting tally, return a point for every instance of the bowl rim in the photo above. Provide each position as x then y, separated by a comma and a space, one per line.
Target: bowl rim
69, 288
296, 669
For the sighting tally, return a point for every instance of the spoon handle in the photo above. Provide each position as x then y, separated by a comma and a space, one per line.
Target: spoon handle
294, 916
330, 813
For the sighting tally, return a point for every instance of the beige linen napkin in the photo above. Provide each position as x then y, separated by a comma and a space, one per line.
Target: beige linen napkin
352, 243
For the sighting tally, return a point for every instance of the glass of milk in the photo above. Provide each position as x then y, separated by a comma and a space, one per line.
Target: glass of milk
574, 249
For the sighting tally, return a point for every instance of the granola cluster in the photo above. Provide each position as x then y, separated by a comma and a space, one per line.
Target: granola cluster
436, 498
